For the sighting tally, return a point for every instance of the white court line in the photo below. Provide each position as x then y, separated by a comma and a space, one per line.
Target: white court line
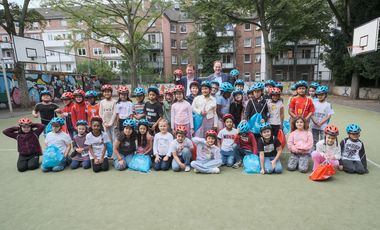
377, 165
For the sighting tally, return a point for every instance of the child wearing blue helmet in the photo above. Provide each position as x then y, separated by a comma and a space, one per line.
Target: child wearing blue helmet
138, 106
353, 159
245, 143
45, 109
223, 101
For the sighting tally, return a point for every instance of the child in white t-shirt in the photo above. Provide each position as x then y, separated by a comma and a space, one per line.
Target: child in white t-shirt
161, 144
181, 149
226, 139
322, 114
59, 139
96, 139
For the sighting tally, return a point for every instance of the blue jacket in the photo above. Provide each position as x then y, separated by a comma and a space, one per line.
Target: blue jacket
225, 77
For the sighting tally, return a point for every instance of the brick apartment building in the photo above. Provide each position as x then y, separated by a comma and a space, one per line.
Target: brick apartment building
170, 39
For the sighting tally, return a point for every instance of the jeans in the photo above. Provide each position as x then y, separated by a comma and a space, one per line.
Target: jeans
25, 163
206, 166
184, 158
228, 157
268, 165
162, 165
240, 153
127, 160
86, 164
353, 167
317, 135
298, 160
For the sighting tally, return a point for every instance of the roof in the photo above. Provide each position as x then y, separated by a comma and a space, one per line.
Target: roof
50, 13
177, 15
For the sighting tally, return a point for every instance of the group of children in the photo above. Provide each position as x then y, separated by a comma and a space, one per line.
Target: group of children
163, 128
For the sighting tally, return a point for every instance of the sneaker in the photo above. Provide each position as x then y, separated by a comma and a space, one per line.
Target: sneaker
215, 171
236, 165
196, 171
187, 168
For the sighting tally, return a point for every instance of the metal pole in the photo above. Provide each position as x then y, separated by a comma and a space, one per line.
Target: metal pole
6, 83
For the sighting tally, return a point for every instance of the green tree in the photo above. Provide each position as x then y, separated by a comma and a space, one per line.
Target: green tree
100, 68
350, 14
117, 23
11, 14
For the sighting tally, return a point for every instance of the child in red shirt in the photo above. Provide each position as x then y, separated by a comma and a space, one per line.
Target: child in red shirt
245, 143
92, 108
301, 105
78, 111
67, 99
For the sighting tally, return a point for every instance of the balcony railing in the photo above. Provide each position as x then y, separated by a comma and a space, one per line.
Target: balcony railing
155, 46
300, 61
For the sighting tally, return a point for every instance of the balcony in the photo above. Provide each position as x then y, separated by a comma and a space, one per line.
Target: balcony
228, 33
300, 61
226, 49
112, 55
56, 43
228, 65
6, 45
155, 65
62, 58
155, 46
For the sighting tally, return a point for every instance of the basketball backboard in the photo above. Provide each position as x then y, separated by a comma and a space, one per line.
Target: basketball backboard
29, 50
366, 38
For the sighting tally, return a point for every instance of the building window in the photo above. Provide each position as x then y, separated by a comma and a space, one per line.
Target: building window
63, 23
184, 61
226, 58
174, 60
152, 23
247, 58
257, 76
50, 37
183, 28
54, 67
290, 54
257, 58
52, 53
258, 41
114, 50
247, 75
153, 57
5, 38
8, 54
68, 67
35, 36
113, 64
173, 43
248, 42
81, 52
152, 38
97, 51
247, 27
183, 44
173, 28
306, 53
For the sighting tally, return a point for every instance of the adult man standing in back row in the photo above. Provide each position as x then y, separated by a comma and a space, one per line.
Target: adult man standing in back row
218, 75
190, 77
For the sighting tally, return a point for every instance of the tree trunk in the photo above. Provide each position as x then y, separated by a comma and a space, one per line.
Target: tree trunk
133, 67
19, 72
260, 6
295, 50
354, 86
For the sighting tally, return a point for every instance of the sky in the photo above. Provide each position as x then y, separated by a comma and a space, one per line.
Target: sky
32, 4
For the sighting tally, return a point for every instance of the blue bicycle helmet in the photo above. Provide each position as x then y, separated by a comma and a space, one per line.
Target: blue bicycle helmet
301, 83
81, 122
226, 87
206, 83
239, 82
58, 120
293, 87
237, 91
258, 86
214, 82
235, 72
265, 126
250, 90
270, 82
314, 85
45, 92
129, 123
154, 89
322, 89
353, 128
139, 91
143, 122
243, 127
279, 85
91, 93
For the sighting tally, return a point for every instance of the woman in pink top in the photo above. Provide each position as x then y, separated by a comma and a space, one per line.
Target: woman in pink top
300, 144
181, 112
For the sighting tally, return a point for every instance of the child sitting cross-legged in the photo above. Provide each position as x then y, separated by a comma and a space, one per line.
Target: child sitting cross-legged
181, 149
208, 154
270, 150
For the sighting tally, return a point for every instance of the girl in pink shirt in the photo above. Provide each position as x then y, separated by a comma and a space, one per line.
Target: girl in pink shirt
181, 112
300, 144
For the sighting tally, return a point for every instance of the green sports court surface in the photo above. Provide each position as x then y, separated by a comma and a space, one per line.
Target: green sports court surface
165, 200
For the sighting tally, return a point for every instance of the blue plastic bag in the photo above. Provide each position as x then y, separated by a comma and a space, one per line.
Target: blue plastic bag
52, 157
197, 120
140, 163
109, 148
48, 129
286, 127
251, 164
254, 123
